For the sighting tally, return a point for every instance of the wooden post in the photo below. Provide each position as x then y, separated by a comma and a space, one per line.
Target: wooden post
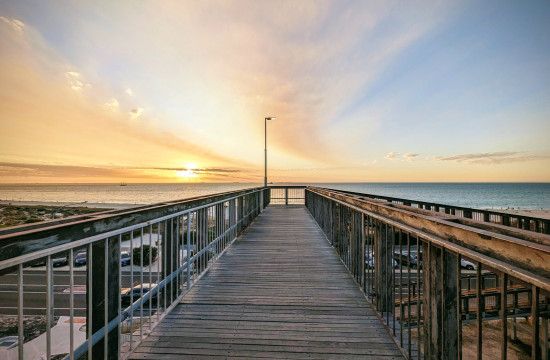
451, 305
384, 267
286, 196
99, 298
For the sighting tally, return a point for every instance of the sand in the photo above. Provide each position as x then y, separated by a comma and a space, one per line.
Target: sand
543, 214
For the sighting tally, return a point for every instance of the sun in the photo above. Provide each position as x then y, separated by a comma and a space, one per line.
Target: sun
188, 172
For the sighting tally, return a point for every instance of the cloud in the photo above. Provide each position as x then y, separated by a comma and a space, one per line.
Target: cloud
73, 78
391, 155
493, 158
112, 104
15, 24
135, 113
130, 92
56, 171
409, 157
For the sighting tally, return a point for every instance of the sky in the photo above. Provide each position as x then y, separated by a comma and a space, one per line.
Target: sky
362, 91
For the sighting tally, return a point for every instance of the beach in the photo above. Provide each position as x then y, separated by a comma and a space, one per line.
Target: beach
543, 214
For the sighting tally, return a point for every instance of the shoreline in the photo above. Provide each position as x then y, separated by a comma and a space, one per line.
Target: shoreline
542, 213
109, 206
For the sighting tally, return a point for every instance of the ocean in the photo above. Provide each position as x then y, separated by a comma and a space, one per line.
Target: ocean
533, 196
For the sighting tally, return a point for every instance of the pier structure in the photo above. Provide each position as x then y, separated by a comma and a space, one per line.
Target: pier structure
281, 272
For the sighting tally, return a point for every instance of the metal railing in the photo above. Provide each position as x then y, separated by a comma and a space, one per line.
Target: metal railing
288, 195
517, 221
439, 292
116, 285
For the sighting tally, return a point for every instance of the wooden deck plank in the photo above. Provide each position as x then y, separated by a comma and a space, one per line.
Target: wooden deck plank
278, 292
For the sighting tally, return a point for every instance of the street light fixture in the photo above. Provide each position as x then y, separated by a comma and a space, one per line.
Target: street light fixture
265, 148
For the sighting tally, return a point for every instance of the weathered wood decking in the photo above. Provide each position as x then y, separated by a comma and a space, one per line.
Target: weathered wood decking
278, 292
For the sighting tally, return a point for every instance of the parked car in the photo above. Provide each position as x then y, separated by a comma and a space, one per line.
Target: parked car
369, 263
60, 261
407, 260
56, 261
124, 258
465, 264
127, 294
80, 259
8, 342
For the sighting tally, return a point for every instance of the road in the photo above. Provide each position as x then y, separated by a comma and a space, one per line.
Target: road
34, 287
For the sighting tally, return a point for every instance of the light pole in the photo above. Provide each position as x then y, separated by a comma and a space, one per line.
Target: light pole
265, 149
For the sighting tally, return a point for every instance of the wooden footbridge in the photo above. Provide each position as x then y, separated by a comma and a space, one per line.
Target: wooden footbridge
283, 273
279, 292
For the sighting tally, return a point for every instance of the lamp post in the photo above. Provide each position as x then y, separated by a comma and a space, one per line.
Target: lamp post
265, 149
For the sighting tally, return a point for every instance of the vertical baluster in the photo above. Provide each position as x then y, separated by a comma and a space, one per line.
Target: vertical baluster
150, 274
106, 307
188, 251
119, 300
401, 312
89, 290
71, 304
131, 289
141, 285
459, 307
503, 316
49, 306
479, 312
20, 312
535, 333
410, 299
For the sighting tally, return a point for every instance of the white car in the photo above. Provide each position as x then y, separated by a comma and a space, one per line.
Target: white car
465, 264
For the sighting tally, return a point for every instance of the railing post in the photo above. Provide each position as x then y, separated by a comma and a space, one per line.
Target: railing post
286, 196
261, 196
99, 299
384, 238
169, 257
363, 250
440, 304
202, 234
240, 211
232, 220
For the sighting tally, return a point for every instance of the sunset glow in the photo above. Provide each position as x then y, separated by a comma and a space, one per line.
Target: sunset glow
362, 91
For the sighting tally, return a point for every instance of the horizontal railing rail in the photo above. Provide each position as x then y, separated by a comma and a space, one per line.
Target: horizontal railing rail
132, 275
438, 294
518, 221
288, 195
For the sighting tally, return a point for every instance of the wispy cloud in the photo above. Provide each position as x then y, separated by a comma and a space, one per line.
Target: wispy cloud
112, 104
493, 158
391, 155
15, 24
410, 157
74, 79
56, 171
395, 156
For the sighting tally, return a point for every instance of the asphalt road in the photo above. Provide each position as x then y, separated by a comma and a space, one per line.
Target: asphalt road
34, 287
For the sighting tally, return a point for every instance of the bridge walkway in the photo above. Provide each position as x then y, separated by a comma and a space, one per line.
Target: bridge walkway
279, 292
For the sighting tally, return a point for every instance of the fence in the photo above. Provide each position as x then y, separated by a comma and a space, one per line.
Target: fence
488, 216
288, 195
125, 276
443, 290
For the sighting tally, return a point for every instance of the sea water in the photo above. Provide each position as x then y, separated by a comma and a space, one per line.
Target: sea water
475, 195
